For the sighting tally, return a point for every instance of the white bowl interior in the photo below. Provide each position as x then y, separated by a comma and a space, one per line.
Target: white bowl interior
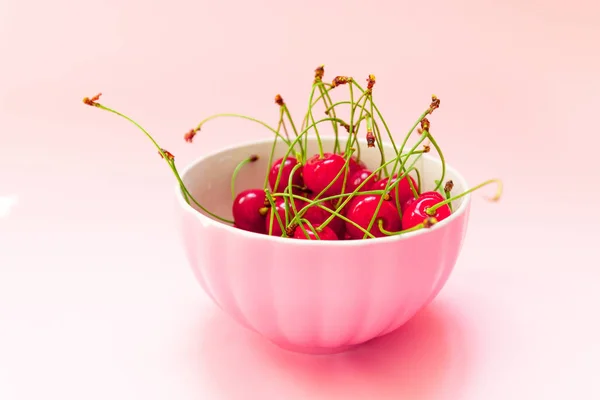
209, 178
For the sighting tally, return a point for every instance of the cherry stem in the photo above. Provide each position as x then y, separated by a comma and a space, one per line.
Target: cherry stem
272, 154
412, 229
326, 101
187, 195
387, 129
431, 210
397, 181
379, 144
447, 195
289, 190
353, 106
237, 170
343, 170
311, 227
273, 210
423, 136
357, 191
315, 102
312, 119
334, 213
289, 117
415, 193
304, 229
302, 135
269, 127
442, 160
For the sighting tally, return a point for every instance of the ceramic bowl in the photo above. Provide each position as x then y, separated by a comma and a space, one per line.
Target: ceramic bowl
313, 296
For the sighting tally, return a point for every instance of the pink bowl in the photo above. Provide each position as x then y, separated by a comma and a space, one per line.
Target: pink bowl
313, 296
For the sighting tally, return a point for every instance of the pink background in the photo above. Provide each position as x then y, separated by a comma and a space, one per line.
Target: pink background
96, 298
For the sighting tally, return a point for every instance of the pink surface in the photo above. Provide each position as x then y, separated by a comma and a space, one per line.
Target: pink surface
96, 298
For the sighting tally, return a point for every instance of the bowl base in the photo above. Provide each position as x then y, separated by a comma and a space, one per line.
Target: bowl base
315, 350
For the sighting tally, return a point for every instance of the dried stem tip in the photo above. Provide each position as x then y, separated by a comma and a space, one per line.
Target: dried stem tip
435, 103
170, 156
429, 222
189, 136
319, 73
425, 125
370, 139
449, 186
426, 148
279, 100
290, 229
253, 158
92, 101
345, 126
340, 80
370, 82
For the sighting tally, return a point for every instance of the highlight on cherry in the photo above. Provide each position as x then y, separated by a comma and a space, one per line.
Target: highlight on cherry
333, 194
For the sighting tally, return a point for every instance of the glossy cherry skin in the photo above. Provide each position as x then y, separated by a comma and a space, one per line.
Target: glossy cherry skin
415, 212
286, 169
361, 210
435, 195
325, 234
316, 216
359, 177
246, 208
402, 190
280, 206
320, 172
354, 165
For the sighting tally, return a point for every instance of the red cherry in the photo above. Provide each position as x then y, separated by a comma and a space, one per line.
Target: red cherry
359, 177
280, 206
361, 210
415, 212
435, 195
354, 165
246, 210
286, 169
325, 234
402, 191
316, 215
319, 172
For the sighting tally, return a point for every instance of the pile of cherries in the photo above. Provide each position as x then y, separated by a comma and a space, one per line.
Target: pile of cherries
327, 176
333, 195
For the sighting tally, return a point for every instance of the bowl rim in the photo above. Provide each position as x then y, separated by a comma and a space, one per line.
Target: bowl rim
206, 221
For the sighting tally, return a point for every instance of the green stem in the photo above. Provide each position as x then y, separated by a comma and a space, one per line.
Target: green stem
317, 203
447, 196
418, 182
289, 190
388, 184
431, 210
304, 229
387, 129
237, 170
442, 160
311, 227
312, 119
326, 101
289, 117
389, 233
170, 163
357, 190
273, 210
243, 117
380, 147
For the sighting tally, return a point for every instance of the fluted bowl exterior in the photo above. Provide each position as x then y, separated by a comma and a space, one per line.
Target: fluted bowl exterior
313, 296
